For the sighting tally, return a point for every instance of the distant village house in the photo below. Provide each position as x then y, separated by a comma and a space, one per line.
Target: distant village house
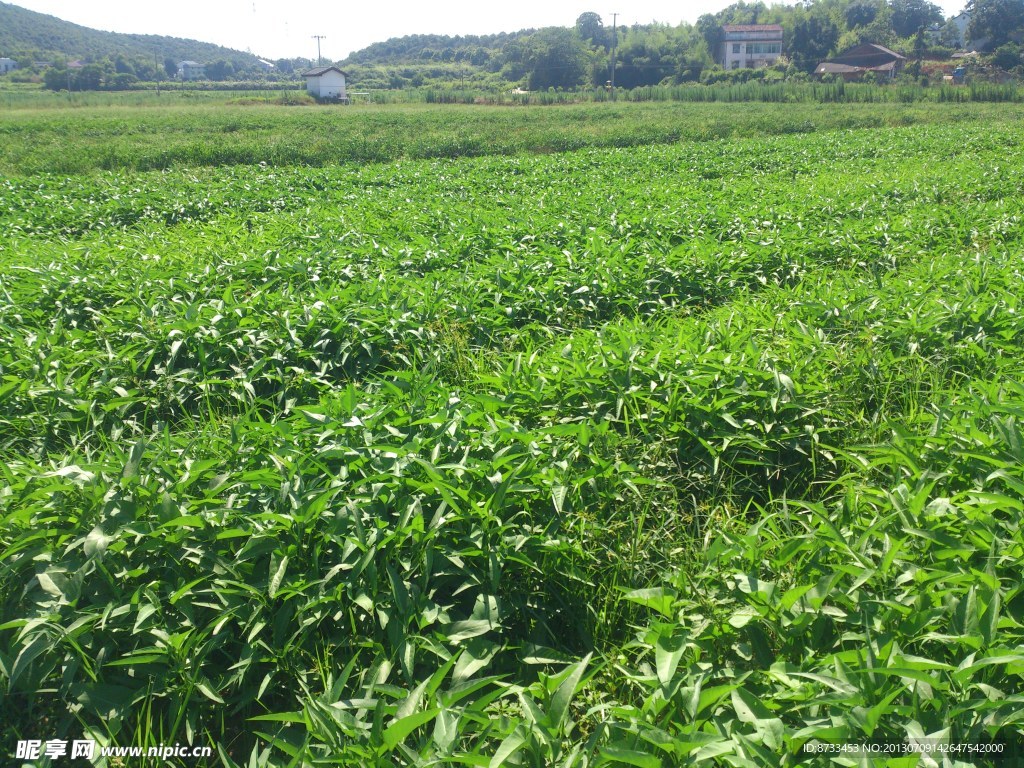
961, 22
750, 45
191, 70
326, 83
854, 63
7, 65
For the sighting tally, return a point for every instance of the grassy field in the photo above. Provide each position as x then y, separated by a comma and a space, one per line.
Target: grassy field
206, 131
683, 452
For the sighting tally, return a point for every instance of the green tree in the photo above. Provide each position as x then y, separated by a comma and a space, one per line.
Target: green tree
91, 77
908, 16
591, 28
122, 65
219, 70
146, 69
860, 14
812, 39
56, 78
710, 29
742, 12
556, 58
995, 19
646, 56
122, 81
171, 67
1008, 56
689, 69
878, 31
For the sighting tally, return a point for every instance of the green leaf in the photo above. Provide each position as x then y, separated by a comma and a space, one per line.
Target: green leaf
397, 732
627, 756
277, 572
508, 747
131, 467
559, 705
96, 543
558, 495
205, 689
40, 644
668, 651
458, 631
659, 599
748, 707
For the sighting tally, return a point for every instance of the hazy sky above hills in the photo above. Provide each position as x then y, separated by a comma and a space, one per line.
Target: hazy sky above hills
283, 28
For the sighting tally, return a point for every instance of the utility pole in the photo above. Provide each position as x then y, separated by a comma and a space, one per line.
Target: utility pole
615, 43
319, 60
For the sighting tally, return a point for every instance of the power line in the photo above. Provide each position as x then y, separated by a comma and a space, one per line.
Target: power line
615, 44
319, 59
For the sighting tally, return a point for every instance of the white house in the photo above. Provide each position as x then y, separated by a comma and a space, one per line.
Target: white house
6, 65
750, 45
191, 70
961, 22
326, 83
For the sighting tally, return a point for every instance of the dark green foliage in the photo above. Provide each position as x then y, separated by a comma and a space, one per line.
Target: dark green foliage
656, 455
995, 20
1008, 56
909, 16
591, 29
860, 14
555, 58
810, 40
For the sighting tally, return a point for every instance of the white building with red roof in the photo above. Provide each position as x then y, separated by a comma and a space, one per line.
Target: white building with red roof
748, 46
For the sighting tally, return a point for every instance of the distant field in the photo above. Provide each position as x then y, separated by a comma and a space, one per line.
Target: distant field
680, 452
202, 132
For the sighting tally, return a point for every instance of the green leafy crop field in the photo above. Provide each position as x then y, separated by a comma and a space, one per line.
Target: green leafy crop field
701, 453
206, 130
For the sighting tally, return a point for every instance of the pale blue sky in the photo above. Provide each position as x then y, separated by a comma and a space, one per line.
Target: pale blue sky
282, 28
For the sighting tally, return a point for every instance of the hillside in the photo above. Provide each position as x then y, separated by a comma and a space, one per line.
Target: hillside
648, 54
24, 32
419, 48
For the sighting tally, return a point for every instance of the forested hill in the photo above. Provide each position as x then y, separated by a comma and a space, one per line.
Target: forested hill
418, 48
655, 53
27, 33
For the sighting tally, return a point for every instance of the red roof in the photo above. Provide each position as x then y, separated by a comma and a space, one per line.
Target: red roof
752, 27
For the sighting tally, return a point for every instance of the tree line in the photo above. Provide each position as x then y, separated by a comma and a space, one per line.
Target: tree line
645, 54
652, 54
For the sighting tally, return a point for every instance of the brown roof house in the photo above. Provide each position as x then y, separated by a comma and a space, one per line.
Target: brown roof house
750, 45
854, 63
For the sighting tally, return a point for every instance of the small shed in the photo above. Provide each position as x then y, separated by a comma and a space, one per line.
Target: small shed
7, 65
326, 83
